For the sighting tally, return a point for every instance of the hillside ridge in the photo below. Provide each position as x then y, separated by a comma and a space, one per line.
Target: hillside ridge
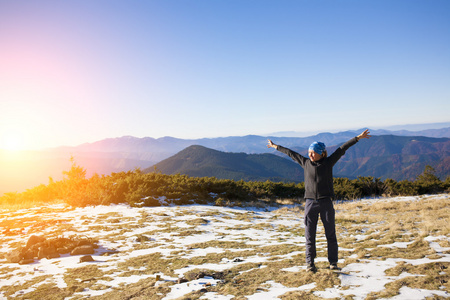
383, 157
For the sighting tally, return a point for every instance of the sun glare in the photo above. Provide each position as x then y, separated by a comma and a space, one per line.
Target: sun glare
11, 142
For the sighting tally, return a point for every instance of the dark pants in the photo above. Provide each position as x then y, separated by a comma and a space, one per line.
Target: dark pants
324, 208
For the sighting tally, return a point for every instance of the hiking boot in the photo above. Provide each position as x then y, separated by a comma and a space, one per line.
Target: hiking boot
311, 268
333, 266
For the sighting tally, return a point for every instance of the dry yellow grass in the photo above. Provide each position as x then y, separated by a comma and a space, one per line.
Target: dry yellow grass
367, 230
388, 222
425, 216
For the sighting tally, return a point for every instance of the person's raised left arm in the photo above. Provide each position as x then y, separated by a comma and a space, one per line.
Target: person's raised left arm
343, 148
351, 142
271, 145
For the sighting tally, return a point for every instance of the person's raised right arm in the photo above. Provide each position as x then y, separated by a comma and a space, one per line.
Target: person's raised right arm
292, 154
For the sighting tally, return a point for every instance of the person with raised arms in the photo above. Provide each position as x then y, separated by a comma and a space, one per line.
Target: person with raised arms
319, 194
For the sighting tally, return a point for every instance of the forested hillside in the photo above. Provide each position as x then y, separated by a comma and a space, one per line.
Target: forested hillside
200, 161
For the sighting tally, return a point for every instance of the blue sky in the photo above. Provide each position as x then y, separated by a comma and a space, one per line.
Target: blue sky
80, 71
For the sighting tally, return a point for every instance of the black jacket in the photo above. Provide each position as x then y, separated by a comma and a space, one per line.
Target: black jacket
319, 174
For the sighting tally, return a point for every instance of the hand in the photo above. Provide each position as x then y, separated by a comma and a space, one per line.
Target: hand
364, 135
271, 144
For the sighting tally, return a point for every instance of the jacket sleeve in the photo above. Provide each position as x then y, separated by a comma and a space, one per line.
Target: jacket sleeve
292, 154
341, 150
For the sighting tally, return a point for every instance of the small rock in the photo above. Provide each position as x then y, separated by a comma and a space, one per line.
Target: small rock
47, 252
182, 280
29, 254
14, 256
26, 261
86, 258
63, 250
34, 239
53, 255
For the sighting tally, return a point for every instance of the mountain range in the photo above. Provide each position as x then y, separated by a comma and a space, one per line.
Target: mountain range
30, 168
429, 130
382, 157
155, 150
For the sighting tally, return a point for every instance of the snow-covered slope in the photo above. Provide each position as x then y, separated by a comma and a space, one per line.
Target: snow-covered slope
234, 248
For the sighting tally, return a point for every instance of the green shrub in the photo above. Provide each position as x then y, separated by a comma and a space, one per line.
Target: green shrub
137, 189
428, 182
346, 189
400, 188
